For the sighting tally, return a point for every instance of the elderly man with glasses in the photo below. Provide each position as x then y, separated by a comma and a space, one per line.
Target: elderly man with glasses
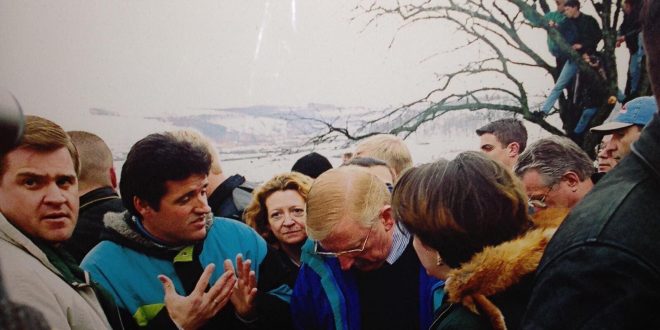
359, 269
555, 172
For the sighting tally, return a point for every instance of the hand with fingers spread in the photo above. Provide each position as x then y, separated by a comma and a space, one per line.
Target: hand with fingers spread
245, 290
196, 309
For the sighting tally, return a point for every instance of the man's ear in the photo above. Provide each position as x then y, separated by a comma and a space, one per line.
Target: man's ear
386, 217
113, 177
142, 207
514, 149
572, 180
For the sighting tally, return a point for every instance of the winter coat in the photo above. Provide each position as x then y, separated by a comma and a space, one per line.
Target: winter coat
326, 297
127, 264
589, 33
93, 206
231, 197
492, 289
602, 268
32, 280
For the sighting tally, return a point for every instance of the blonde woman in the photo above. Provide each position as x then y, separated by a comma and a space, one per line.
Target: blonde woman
278, 213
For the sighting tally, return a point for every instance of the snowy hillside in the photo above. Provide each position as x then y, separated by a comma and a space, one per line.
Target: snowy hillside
261, 141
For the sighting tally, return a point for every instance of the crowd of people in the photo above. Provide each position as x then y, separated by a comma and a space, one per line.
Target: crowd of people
513, 236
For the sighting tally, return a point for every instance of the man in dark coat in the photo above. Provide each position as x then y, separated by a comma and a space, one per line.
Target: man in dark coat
601, 269
97, 191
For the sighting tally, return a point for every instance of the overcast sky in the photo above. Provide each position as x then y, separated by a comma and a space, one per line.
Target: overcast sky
63, 57
67, 56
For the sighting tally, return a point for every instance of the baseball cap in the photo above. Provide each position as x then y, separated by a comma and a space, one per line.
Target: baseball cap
638, 111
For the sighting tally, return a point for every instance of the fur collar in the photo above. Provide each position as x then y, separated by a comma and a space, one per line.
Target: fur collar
497, 268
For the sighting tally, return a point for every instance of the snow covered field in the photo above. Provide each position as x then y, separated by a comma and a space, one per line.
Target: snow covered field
259, 142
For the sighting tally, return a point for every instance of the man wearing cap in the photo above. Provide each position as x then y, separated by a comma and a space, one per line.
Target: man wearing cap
626, 126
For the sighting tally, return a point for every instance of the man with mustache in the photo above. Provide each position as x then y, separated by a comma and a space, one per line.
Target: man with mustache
158, 258
39, 210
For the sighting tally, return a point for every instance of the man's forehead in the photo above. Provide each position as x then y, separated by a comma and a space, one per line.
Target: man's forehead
532, 180
344, 232
24, 161
193, 182
490, 138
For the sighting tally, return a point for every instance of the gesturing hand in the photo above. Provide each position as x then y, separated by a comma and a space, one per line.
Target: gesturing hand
196, 309
245, 290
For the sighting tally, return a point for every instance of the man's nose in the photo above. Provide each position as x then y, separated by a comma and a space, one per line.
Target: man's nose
202, 205
54, 194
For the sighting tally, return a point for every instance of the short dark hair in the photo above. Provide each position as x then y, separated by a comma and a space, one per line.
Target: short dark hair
506, 131
154, 160
459, 207
312, 165
572, 3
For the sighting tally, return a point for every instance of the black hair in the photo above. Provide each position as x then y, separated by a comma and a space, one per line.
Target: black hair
154, 160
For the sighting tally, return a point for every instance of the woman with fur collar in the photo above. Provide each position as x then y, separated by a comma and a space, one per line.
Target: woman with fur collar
471, 226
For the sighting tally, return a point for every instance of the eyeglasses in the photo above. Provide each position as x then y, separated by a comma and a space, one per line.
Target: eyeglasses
540, 202
337, 254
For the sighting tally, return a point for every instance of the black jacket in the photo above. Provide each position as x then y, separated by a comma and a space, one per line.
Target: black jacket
231, 197
93, 206
589, 33
602, 268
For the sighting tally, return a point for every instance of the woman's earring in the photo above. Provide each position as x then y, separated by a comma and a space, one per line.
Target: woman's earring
439, 261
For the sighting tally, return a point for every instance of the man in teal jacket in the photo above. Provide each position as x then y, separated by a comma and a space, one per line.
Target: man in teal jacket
168, 234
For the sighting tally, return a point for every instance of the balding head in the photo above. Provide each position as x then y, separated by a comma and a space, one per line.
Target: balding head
340, 192
96, 167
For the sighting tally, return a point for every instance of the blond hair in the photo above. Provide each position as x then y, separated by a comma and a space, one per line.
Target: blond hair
200, 140
256, 213
341, 192
387, 147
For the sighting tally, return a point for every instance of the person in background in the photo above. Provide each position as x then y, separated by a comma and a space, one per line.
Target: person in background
503, 140
605, 160
588, 36
312, 165
376, 167
557, 20
278, 213
228, 196
627, 126
388, 148
359, 268
600, 270
629, 33
589, 94
97, 192
555, 172
471, 227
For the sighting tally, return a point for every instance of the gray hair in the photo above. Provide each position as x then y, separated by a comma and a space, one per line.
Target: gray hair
552, 157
